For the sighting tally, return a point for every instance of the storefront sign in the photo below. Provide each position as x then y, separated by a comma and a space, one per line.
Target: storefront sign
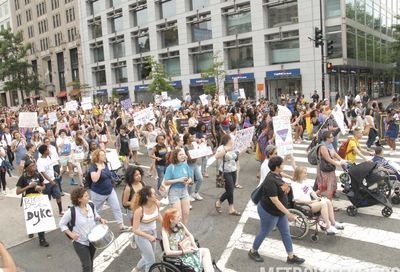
141, 88
283, 73
176, 84
202, 81
101, 92
240, 76
122, 90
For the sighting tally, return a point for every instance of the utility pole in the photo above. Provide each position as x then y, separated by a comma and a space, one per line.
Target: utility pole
322, 51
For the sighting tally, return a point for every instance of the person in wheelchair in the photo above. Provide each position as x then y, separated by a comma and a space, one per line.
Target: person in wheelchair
304, 195
179, 242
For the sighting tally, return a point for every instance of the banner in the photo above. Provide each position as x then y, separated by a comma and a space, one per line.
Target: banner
134, 143
52, 117
143, 116
27, 120
38, 214
71, 105
126, 104
203, 151
51, 101
283, 135
243, 138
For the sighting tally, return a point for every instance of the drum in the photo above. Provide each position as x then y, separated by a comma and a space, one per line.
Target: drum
101, 236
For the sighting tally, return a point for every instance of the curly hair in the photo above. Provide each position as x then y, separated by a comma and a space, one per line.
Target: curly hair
130, 173
140, 199
96, 155
76, 194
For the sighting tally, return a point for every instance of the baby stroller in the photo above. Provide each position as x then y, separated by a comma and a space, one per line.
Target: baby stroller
364, 186
394, 180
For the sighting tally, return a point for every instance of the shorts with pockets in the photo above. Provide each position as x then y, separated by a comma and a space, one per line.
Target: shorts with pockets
177, 194
53, 190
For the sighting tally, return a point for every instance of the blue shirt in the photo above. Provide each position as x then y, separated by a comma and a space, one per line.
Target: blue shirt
177, 171
104, 185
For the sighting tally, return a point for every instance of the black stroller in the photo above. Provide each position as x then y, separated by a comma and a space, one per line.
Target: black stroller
364, 185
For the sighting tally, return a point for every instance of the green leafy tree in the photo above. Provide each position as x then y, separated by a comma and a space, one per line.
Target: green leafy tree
217, 72
159, 80
76, 85
15, 71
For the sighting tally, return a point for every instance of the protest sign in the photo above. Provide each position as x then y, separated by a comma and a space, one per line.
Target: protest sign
41, 104
243, 138
164, 95
28, 120
284, 111
38, 214
87, 99
203, 151
113, 159
52, 117
203, 99
86, 106
51, 101
221, 100
181, 124
126, 104
143, 116
71, 105
134, 143
339, 118
175, 103
283, 135
242, 93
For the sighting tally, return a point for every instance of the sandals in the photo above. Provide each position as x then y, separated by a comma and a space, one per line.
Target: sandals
218, 208
238, 186
235, 213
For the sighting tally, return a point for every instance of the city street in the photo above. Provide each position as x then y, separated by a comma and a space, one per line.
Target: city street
369, 241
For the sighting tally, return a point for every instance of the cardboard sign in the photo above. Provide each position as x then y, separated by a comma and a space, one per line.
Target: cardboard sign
283, 135
126, 104
113, 159
243, 139
41, 104
38, 214
221, 100
52, 117
143, 116
27, 120
51, 101
71, 105
134, 143
203, 151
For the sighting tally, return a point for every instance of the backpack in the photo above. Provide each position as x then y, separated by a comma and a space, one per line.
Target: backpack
342, 152
71, 224
312, 155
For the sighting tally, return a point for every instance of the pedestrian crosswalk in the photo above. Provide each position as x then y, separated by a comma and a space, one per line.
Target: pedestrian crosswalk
369, 241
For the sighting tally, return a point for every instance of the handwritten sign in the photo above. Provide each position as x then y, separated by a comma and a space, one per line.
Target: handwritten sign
42, 104
51, 101
143, 116
86, 106
164, 95
28, 120
243, 139
87, 99
204, 99
242, 93
175, 103
52, 117
134, 143
203, 151
283, 135
126, 104
71, 105
221, 100
38, 214
113, 159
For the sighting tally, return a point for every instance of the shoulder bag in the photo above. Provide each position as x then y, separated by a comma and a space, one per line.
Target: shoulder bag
220, 179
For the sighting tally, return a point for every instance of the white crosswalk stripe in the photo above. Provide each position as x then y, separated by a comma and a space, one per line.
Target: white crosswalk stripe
359, 232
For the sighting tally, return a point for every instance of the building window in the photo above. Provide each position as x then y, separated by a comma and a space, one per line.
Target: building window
361, 51
117, 21
72, 34
239, 53
95, 7
350, 9
95, 28
334, 33
49, 71
201, 27
16, 3
56, 20
171, 63
142, 69
284, 47
118, 46
120, 72
60, 69
360, 11
377, 50
43, 27
58, 39
19, 21
41, 9
70, 15
202, 58
332, 8
351, 42
281, 13
44, 44
99, 75
169, 34
198, 4
29, 15
141, 41
115, 3
30, 31
139, 13
27, 2
55, 4
167, 8
73, 55
97, 51
238, 19
377, 16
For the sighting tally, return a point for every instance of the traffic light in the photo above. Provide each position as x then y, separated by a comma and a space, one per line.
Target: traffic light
330, 47
318, 37
329, 67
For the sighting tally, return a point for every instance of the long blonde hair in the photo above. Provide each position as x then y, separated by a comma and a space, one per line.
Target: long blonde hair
297, 172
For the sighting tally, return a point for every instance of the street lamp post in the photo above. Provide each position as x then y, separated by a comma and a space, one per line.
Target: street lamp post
322, 51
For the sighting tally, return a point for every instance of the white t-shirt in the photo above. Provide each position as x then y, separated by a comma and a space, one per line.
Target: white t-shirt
54, 155
301, 191
79, 152
264, 170
45, 165
63, 151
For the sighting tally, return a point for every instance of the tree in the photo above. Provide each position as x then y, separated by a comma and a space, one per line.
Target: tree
76, 85
160, 82
395, 46
217, 72
14, 69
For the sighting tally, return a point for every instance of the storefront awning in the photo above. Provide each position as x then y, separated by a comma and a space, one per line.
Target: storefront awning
141, 88
101, 92
244, 76
122, 90
283, 73
62, 94
202, 81
176, 83
75, 92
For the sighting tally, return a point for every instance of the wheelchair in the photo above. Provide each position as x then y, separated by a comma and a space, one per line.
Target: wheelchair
305, 220
174, 263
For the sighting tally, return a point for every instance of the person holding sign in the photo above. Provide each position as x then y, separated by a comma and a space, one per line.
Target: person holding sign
64, 145
122, 145
18, 146
133, 134
79, 148
31, 183
85, 221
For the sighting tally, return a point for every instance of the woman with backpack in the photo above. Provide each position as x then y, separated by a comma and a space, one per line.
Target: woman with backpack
134, 183
85, 217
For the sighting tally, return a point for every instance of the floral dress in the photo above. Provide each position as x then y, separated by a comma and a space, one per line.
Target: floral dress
190, 259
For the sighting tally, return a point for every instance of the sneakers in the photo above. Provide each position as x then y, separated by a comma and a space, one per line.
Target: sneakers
197, 196
332, 231
43, 243
133, 244
191, 198
255, 256
294, 260
125, 229
339, 226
